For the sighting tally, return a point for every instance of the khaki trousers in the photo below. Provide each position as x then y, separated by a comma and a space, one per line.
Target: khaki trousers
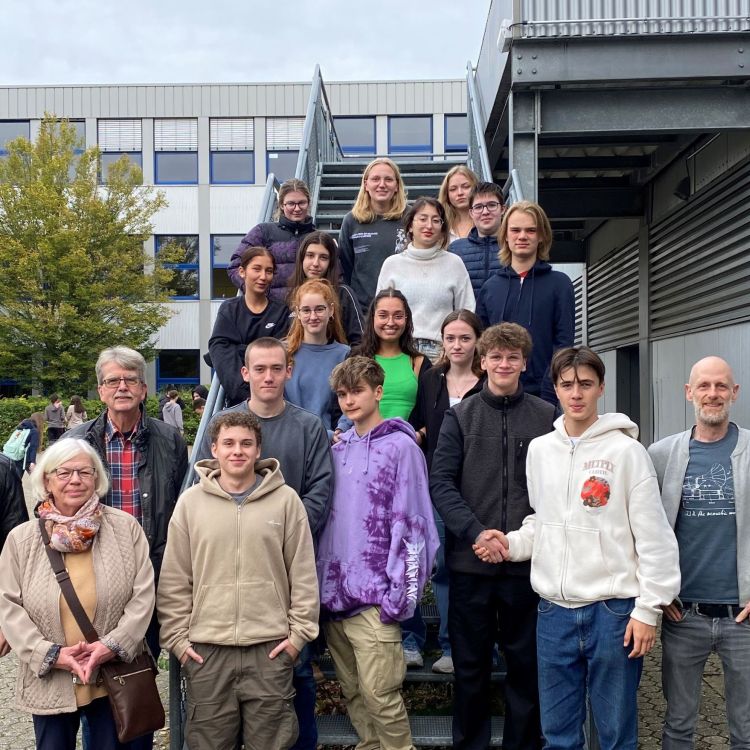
238, 692
370, 666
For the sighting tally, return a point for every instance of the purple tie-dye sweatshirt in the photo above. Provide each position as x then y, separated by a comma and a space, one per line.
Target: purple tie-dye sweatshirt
379, 543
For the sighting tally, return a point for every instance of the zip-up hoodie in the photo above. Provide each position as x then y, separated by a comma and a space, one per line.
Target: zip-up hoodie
237, 575
544, 304
379, 543
283, 239
480, 256
599, 530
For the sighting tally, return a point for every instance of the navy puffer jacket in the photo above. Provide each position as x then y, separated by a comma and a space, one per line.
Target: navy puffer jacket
479, 255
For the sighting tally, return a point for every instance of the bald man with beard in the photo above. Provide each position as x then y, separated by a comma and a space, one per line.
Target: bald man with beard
704, 475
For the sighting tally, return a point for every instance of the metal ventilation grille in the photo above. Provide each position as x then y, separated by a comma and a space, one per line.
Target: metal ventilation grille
232, 134
119, 135
700, 260
578, 292
176, 135
612, 310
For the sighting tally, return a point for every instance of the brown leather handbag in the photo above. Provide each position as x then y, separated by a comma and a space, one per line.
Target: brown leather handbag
131, 686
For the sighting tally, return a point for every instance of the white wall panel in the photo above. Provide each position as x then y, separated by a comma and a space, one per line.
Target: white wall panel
234, 209
608, 402
181, 215
183, 329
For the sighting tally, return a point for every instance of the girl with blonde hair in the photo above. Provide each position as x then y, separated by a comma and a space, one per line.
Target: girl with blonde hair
454, 195
372, 230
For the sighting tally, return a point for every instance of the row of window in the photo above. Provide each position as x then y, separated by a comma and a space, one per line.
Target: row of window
232, 144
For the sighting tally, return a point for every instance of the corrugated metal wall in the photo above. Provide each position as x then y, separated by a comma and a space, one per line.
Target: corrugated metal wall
612, 310
611, 17
700, 260
578, 292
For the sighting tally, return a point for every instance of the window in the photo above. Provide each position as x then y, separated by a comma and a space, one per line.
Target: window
356, 135
176, 152
222, 247
117, 138
184, 284
10, 129
410, 135
283, 141
456, 133
80, 128
177, 367
232, 144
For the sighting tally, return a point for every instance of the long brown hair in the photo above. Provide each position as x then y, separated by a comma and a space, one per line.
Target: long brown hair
362, 209
444, 197
334, 330
472, 320
370, 343
331, 275
419, 204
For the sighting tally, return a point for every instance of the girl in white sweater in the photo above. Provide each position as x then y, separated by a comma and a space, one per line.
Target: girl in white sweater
434, 281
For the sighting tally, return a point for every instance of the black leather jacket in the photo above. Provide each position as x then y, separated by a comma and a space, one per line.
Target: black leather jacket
160, 473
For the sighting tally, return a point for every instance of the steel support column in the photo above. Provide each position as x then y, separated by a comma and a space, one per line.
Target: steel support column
644, 343
523, 140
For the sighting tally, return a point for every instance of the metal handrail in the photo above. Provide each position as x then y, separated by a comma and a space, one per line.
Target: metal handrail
320, 143
214, 404
512, 189
479, 160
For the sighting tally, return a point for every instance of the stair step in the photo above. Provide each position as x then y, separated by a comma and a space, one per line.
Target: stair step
413, 674
424, 164
426, 731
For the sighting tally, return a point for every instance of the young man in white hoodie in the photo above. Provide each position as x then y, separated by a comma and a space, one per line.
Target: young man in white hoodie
603, 560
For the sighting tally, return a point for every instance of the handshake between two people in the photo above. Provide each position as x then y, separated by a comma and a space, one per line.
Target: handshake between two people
491, 546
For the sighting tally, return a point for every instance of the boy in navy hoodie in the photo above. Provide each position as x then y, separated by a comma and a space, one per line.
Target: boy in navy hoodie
375, 554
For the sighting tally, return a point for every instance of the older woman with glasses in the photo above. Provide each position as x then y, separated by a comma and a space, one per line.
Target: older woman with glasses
106, 555
434, 281
282, 238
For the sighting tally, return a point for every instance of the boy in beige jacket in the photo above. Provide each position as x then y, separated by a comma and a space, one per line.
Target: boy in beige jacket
238, 595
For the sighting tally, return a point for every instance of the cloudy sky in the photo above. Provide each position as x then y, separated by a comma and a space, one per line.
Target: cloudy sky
181, 41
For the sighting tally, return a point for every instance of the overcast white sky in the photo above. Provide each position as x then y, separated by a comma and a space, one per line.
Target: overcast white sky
182, 41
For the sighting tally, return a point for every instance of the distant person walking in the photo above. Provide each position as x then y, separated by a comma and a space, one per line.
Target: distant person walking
54, 416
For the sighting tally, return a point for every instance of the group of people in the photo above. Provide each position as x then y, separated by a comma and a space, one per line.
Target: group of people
427, 415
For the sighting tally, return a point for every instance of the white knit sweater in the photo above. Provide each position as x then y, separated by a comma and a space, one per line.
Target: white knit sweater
434, 281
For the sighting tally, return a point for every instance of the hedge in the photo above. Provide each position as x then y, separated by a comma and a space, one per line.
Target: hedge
13, 410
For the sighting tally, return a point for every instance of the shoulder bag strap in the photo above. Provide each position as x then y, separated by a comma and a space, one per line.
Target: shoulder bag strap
66, 586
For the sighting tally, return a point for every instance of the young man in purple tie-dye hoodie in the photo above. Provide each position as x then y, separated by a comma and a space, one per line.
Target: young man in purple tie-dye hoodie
375, 554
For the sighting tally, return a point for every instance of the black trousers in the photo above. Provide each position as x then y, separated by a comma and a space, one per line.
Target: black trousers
484, 610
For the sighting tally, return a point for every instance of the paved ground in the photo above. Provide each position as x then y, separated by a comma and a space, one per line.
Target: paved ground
16, 731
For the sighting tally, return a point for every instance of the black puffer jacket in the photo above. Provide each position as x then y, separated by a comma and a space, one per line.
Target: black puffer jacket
162, 468
12, 504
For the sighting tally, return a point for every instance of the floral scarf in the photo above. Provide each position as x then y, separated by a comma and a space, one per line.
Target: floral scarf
71, 533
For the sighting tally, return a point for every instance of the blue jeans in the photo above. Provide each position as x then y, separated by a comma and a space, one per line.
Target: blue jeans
441, 588
414, 631
685, 647
304, 702
578, 650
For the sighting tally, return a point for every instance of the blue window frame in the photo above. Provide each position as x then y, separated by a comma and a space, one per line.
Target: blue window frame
222, 247
356, 135
176, 167
10, 130
456, 133
185, 283
282, 163
410, 134
177, 367
233, 167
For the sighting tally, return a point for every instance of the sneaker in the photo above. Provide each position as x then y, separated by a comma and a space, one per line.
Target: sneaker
444, 665
413, 658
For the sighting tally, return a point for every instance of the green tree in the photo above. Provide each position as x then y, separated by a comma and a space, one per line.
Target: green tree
74, 275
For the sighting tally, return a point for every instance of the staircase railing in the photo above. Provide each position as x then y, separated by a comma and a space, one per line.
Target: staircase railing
478, 159
214, 404
512, 189
319, 140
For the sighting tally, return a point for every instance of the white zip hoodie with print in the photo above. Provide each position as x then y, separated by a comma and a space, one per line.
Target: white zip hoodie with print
599, 530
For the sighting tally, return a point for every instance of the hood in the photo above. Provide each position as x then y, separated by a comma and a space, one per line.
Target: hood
297, 227
208, 472
352, 441
605, 424
540, 267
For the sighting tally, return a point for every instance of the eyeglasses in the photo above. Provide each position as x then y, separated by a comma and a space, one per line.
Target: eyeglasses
396, 317
130, 381
296, 204
306, 312
64, 475
436, 221
490, 206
